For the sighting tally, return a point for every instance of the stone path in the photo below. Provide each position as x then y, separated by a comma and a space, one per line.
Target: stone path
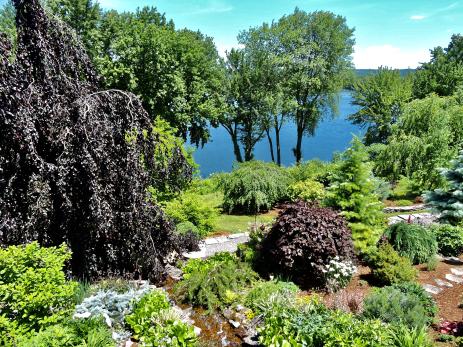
213, 245
229, 243
454, 277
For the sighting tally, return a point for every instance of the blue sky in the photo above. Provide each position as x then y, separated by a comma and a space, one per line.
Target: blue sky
396, 33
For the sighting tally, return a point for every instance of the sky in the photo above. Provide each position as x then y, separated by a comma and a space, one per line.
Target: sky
394, 33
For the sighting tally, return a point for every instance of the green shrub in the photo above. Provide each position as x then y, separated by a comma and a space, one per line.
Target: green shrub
315, 170
388, 267
403, 305
254, 186
205, 264
184, 228
403, 202
431, 263
415, 289
449, 239
156, 324
190, 207
214, 283
91, 332
412, 241
414, 337
34, 292
311, 324
352, 190
262, 291
308, 190
382, 188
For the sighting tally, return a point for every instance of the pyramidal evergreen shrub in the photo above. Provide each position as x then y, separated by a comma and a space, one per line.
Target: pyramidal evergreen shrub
353, 192
449, 202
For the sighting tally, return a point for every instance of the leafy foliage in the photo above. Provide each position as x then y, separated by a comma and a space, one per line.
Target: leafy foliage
413, 241
449, 239
381, 98
449, 202
444, 73
307, 190
407, 304
189, 207
262, 292
254, 186
303, 240
353, 191
388, 267
156, 324
215, 283
73, 333
315, 170
289, 323
67, 170
34, 292
426, 137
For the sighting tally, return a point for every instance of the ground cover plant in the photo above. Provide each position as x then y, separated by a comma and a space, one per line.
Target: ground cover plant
216, 282
302, 242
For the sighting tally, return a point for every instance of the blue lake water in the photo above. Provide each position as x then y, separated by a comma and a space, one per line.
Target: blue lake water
332, 135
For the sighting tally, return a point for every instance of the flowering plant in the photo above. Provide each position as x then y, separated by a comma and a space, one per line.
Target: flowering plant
338, 273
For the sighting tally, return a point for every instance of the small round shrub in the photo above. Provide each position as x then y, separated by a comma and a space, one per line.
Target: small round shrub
302, 242
449, 239
413, 241
399, 305
388, 267
254, 186
308, 190
190, 207
186, 227
413, 288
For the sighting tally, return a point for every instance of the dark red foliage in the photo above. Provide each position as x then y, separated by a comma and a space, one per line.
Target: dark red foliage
67, 171
303, 239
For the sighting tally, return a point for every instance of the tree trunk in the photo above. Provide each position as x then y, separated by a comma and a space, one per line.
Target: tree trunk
236, 148
300, 133
277, 137
270, 143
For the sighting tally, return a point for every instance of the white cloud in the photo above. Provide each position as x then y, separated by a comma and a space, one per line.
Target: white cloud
417, 17
223, 48
371, 57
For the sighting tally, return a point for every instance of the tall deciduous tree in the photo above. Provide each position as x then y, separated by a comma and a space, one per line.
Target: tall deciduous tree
427, 136
443, 74
381, 97
314, 51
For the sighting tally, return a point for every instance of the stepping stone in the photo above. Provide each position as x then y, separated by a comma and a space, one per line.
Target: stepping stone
442, 283
196, 255
453, 260
456, 271
222, 239
454, 278
211, 241
236, 236
432, 289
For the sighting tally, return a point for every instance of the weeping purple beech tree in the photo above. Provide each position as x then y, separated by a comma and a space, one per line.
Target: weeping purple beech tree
76, 161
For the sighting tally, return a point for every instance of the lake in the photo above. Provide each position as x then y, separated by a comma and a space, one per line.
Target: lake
332, 135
